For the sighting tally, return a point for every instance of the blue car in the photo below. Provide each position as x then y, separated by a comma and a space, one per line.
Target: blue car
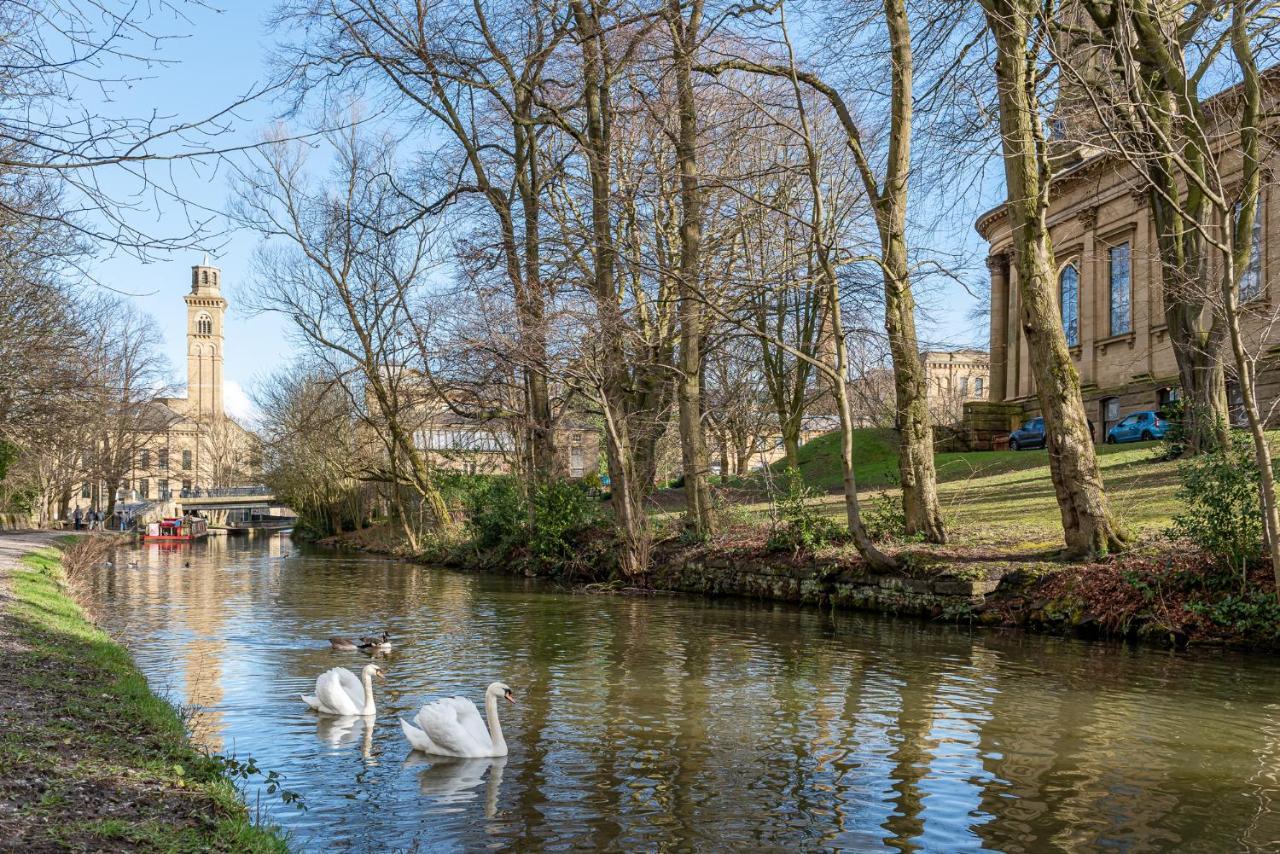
1029, 435
1142, 426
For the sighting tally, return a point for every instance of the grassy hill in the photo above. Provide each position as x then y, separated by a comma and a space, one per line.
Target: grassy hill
1000, 498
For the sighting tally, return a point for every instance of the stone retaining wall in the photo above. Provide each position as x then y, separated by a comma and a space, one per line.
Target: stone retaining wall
816, 583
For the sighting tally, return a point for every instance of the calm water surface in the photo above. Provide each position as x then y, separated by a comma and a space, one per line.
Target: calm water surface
666, 722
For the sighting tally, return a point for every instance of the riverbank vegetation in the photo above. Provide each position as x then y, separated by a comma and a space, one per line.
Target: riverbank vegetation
92, 759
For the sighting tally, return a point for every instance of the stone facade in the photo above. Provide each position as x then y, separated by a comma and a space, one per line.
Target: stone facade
1110, 295
456, 442
956, 377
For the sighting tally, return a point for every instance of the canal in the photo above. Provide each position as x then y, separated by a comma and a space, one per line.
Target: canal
647, 722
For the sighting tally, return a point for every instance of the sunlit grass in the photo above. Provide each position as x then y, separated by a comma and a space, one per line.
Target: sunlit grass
89, 729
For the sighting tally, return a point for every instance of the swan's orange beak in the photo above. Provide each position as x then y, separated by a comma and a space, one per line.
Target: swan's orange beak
510, 697
380, 676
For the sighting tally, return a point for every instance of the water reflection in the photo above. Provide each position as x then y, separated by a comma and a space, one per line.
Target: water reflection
678, 722
448, 780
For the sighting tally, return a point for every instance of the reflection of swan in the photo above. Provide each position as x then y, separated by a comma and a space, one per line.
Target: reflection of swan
450, 780
339, 731
452, 726
338, 692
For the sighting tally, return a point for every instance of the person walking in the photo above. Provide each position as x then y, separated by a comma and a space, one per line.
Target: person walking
77, 518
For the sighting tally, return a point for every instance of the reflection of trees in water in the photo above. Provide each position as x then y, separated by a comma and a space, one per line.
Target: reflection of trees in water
665, 722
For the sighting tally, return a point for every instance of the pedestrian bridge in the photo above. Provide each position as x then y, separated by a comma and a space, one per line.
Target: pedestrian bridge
227, 498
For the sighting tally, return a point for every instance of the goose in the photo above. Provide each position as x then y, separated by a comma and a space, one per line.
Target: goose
376, 644
452, 726
339, 692
344, 644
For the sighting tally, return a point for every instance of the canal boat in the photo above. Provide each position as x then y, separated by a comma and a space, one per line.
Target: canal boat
177, 528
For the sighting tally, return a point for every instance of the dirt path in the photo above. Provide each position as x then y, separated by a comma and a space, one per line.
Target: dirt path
15, 544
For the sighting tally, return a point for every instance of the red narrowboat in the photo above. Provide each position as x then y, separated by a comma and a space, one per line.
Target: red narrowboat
182, 528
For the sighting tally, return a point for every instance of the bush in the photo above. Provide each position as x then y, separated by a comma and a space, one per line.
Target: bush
496, 515
1255, 613
562, 511
798, 523
884, 518
1222, 514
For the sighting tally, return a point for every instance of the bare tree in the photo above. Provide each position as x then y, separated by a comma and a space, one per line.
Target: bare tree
343, 260
1201, 161
125, 379
1019, 32
887, 188
474, 71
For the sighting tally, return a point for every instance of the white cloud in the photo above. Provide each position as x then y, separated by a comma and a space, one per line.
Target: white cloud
237, 404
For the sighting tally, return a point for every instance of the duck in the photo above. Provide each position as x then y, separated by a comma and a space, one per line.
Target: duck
339, 692
452, 726
343, 644
373, 643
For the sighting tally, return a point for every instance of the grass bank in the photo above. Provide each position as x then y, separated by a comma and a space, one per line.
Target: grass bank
91, 758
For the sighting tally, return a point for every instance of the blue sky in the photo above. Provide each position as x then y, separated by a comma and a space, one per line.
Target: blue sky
225, 53
223, 56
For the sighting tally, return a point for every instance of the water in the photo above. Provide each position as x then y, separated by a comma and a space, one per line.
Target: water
668, 722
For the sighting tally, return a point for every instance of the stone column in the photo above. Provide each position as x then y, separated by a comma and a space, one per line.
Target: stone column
999, 325
1092, 286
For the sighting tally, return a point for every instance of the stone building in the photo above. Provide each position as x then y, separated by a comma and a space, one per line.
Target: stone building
956, 377
189, 443
455, 441
1110, 296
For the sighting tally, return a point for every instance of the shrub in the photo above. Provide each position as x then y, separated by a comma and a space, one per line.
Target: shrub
1222, 514
798, 523
884, 518
496, 515
562, 511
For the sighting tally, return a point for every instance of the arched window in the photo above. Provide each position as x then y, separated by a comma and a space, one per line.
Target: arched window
204, 277
1069, 300
204, 324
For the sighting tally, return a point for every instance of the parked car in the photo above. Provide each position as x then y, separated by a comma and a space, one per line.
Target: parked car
1029, 435
1142, 426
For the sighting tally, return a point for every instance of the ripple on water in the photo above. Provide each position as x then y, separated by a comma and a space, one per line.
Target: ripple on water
680, 722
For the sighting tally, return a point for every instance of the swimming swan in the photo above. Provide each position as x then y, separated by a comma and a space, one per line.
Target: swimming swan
338, 692
452, 726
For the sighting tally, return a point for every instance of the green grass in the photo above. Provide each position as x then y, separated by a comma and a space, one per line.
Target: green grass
1002, 501
93, 758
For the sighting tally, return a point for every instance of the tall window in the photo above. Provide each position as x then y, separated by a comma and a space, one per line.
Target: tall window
164, 458
977, 387
964, 386
1069, 299
1121, 281
186, 460
144, 488
1251, 277
204, 325
144, 459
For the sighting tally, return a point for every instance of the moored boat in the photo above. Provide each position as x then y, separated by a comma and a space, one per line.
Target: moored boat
180, 528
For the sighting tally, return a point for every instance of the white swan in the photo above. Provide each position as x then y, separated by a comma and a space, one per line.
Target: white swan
452, 726
339, 692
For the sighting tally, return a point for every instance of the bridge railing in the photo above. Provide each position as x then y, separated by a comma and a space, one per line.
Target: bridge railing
224, 491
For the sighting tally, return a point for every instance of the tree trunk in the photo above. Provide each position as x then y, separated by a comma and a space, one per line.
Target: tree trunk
699, 514
1087, 525
911, 391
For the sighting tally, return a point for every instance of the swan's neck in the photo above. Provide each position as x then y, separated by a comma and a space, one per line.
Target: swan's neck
368, 694
495, 726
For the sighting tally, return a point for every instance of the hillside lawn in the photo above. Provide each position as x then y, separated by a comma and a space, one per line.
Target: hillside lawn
997, 501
